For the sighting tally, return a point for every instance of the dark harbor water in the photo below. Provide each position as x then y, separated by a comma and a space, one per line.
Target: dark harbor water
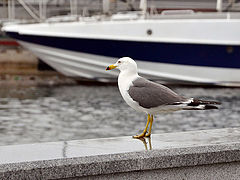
39, 114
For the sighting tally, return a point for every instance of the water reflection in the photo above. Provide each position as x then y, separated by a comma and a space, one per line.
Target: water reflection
147, 142
64, 149
22, 93
35, 114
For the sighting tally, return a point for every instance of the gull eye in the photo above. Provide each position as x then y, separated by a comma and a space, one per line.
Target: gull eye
119, 62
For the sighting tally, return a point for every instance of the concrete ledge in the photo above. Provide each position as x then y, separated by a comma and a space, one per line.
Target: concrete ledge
193, 155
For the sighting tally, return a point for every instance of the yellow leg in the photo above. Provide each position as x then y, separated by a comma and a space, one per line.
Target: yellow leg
150, 143
145, 130
150, 128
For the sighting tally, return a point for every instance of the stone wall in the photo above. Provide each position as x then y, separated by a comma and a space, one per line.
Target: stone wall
208, 154
19, 67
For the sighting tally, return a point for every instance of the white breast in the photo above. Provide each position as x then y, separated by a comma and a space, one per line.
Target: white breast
124, 82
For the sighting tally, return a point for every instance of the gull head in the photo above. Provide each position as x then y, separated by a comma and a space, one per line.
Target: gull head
124, 64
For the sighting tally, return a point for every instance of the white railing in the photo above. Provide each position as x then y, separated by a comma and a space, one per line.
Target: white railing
39, 10
31, 11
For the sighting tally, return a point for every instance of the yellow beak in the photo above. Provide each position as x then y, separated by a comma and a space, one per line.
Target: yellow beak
111, 67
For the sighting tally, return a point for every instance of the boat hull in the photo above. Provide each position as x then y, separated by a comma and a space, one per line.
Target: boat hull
225, 56
78, 65
189, 50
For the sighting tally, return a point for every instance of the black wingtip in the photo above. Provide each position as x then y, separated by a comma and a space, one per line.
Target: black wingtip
207, 106
197, 102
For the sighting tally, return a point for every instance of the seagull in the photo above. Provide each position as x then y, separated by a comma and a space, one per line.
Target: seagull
150, 97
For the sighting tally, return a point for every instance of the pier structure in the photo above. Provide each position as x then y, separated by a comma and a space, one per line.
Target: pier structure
206, 154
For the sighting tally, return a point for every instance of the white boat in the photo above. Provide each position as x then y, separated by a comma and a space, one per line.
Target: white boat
202, 48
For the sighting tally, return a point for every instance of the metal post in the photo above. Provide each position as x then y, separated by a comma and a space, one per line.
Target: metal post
73, 7
106, 6
13, 9
40, 10
44, 6
219, 6
9, 9
143, 6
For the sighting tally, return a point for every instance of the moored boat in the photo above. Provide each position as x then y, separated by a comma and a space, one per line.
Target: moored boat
190, 48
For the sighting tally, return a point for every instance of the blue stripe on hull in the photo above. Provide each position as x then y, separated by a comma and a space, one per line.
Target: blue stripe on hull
174, 53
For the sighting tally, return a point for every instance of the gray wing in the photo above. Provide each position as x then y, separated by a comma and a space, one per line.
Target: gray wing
149, 94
